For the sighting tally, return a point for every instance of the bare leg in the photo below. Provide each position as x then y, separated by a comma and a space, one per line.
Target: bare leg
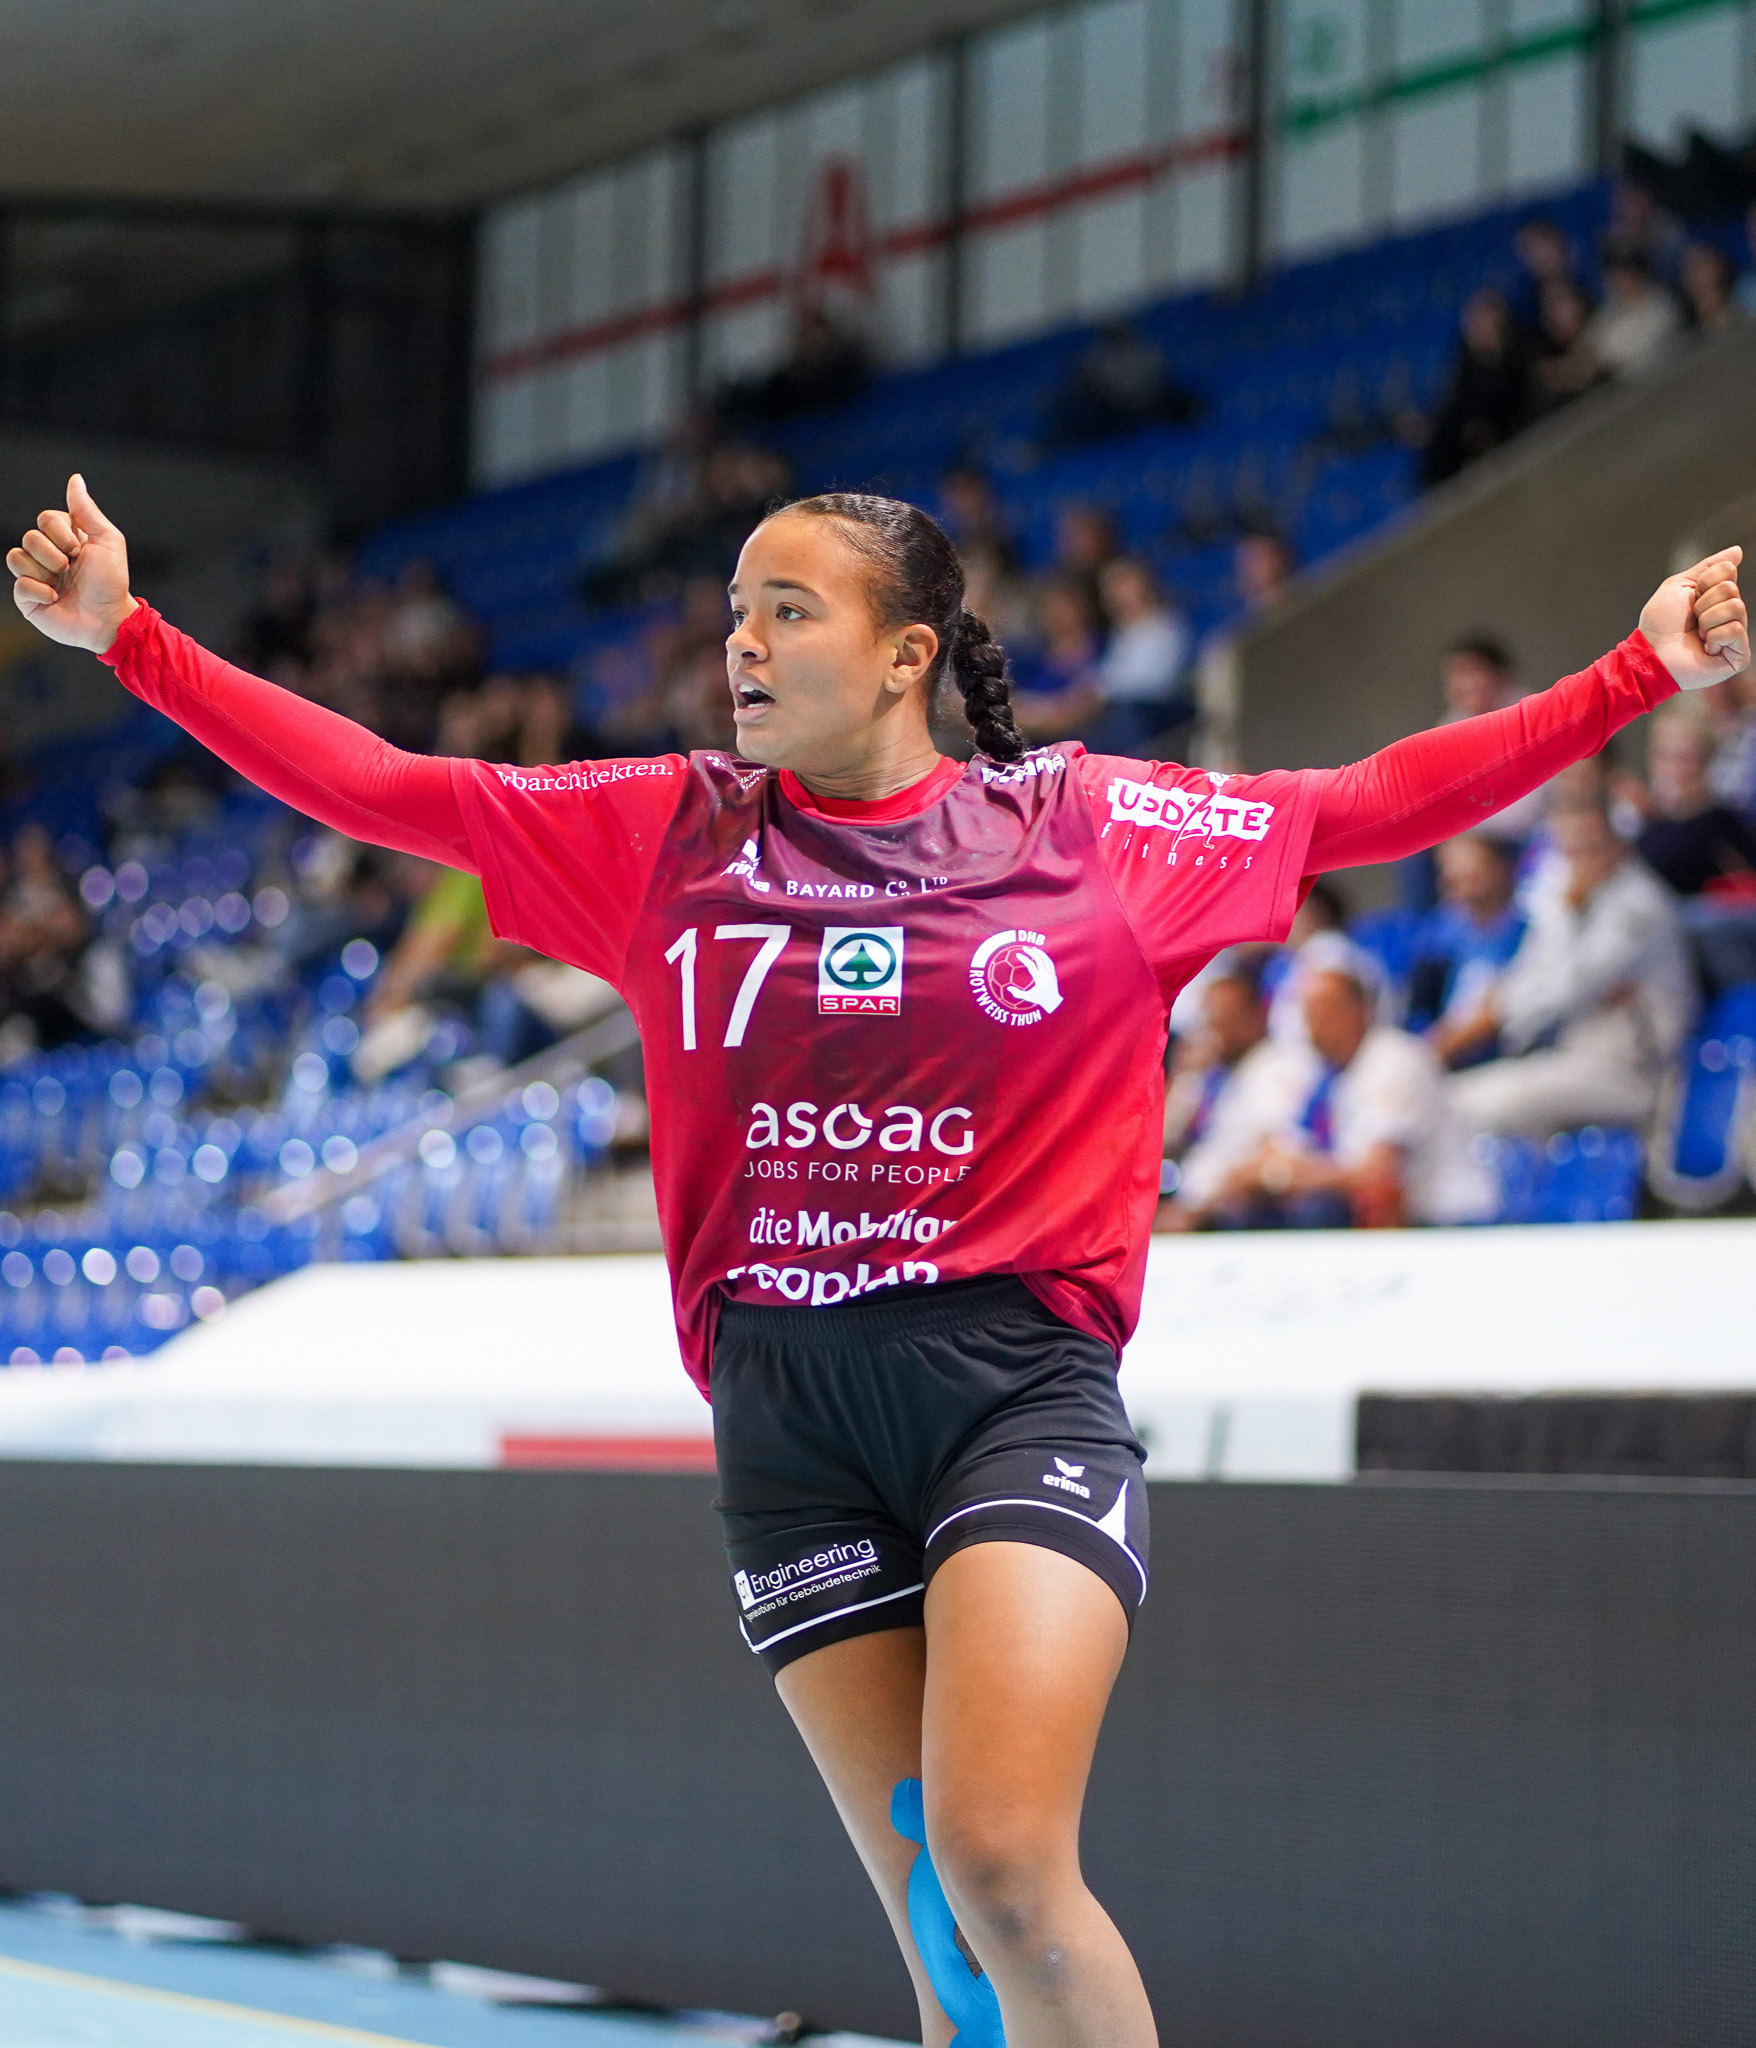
858, 1706
997, 1710
1023, 1647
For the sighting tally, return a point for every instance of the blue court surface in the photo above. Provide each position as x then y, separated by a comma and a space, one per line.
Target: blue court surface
126, 1977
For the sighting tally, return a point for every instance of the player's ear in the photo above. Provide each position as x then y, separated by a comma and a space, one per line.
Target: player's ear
916, 650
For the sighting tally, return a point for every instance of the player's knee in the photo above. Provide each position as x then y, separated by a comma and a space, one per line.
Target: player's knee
1000, 1876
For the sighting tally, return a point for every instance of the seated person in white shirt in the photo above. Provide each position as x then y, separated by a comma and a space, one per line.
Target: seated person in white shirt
1597, 1000
1231, 1087
1368, 1141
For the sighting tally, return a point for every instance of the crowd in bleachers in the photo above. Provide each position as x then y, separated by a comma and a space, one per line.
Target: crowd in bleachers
1579, 971
1575, 319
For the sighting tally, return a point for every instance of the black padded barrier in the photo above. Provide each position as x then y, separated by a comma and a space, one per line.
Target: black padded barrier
1436, 1764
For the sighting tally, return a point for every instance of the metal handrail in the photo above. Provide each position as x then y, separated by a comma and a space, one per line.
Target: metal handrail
558, 1065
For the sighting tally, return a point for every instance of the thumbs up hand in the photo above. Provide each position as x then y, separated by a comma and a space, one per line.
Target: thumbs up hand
71, 573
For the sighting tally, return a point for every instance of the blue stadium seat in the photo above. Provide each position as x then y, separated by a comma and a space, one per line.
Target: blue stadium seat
1710, 1110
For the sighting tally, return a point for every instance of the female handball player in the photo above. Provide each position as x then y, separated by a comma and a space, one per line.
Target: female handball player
904, 1020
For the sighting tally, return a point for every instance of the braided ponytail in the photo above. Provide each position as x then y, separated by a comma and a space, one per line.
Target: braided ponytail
978, 667
916, 575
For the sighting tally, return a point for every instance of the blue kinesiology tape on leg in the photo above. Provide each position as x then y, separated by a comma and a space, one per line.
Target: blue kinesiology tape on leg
968, 2000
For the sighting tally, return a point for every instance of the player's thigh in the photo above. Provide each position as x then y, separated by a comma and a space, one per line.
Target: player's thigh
857, 1703
1023, 1647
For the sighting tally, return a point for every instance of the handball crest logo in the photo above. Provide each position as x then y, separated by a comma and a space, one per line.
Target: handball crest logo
1013, 978
859, 971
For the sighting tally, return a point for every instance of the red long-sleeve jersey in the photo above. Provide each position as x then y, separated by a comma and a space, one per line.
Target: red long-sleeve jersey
900, 1042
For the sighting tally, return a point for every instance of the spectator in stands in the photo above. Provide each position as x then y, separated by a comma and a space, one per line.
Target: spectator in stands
1231, 1086
827, 365
1464, 948
1745, 293
1317, 942
1563, 363
1634, 331
1262, 573
278, 631
1262, 569
1486, 401
1059, 691
1119, 383
1598, 997
548, 729
1369, 1142
1732, 707
425, 633
43, 939
1085, 539
1703, 848
1545, 255
1710, 305
1142, 674
971, 514
444, 957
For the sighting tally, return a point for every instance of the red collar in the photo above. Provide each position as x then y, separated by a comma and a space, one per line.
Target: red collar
884, 810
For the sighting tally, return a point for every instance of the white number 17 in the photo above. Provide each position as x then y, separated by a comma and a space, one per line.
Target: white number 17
771, 938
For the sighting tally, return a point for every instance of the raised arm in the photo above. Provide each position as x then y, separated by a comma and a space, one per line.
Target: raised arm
72, 584
1433, 785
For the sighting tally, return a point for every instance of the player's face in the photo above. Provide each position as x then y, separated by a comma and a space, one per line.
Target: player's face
813, 675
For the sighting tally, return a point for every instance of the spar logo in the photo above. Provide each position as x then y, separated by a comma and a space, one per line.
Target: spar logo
859, 971
1013, 978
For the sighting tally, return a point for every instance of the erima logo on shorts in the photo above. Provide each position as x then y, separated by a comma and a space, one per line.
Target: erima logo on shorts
1066, 1479
859, 971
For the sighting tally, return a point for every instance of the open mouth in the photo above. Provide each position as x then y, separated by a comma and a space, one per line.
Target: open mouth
750, 695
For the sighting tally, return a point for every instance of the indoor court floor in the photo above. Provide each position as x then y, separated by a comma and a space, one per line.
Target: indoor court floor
126, 1977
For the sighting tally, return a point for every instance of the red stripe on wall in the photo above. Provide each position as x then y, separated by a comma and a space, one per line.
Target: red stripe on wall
608, 1453
1030, 202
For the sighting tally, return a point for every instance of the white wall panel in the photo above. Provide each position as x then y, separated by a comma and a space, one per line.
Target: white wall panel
507, 246
1688, 73
1322, 188
1114, 78
742, 170
1208, 67
1109, 241
1436, 155
1005, 282
1427, 32
911, 301
1009, 95
1547, 111
1202, 227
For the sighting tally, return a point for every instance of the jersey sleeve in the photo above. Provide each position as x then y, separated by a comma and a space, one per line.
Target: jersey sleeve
564, 854
1200, 861
312, 758
567, 852
1437, 784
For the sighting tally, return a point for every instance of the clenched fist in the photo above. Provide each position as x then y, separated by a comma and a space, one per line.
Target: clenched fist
1697, 623
72, 574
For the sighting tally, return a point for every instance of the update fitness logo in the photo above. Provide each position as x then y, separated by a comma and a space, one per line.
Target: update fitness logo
859, 972
1013, 978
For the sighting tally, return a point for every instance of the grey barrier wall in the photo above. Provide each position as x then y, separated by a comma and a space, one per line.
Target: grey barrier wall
1465, 1764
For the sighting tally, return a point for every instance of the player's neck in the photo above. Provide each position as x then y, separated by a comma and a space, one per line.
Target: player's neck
870, 781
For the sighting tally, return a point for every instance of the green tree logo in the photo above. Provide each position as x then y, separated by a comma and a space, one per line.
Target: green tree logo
863, 960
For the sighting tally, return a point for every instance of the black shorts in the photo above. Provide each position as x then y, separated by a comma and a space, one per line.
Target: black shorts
859, 1447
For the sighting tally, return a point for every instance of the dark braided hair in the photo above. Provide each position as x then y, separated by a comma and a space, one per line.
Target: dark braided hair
916, 576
